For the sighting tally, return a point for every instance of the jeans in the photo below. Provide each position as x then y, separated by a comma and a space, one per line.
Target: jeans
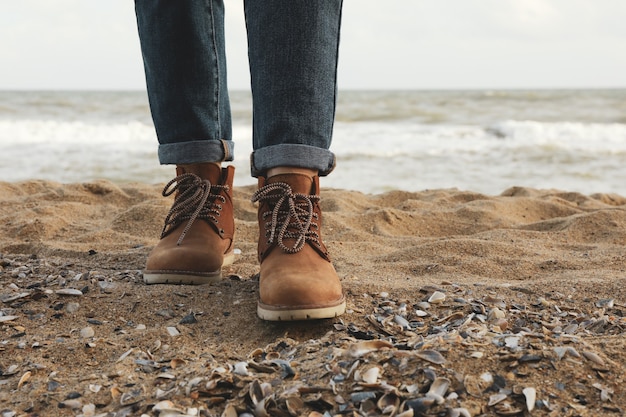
292, 50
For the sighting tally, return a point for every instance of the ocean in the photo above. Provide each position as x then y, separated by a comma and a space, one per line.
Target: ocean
477, 140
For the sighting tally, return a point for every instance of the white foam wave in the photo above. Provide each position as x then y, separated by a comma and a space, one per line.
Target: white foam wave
587, 157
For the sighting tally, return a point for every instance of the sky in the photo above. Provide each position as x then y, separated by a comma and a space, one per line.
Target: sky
394, 44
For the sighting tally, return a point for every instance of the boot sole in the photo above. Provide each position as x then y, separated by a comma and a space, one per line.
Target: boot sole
187, 277
270, 313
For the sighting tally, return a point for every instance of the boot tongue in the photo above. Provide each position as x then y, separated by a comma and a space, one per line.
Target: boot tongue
208, 171
299, 183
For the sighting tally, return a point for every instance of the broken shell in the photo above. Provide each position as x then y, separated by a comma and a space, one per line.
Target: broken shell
23, 379
605, 303
87, 332
437, 298
241, 368
131, 397
438, 389
361, 348
172, 331
294, 405
495, 313
420, 405
388, 403
496, 398
229, 411
69, 291
531, 396
593, 357
459, 412
431, 356
72, 404
507, 409
177, 363
371, 375
475, 386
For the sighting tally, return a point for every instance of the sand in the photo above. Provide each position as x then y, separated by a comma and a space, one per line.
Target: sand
525, 246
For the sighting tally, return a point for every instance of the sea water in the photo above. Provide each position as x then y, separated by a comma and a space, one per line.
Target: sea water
479, 140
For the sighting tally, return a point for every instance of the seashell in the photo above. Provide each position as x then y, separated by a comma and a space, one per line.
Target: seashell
570, 328
423, 305
371, 375
366, 346
560, 352
11, 370
229, 411
288, 371
115, 392
531, 396
459, 412
431, 356
165, 406
475, 386
530, 358
512, 342
259, 391
454, 316
420, 405
89, 410
95, 388
605, 303
72, 404
388, 403
177, 363
7, 318
593, 357
69, 291
402, 322
172, 331
495, 314
360, 396
420, 313
507, 409
294, 406
437, 297
241, 368
477, 354
87, 332
131, 397
438, 389
23, 379
496, 398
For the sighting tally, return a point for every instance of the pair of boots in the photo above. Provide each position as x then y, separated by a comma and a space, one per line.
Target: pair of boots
297, 279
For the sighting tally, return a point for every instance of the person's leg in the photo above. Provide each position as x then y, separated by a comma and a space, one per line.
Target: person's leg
293, 46
293, 49
182, 44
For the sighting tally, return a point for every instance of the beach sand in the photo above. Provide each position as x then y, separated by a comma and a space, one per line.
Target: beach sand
525, 275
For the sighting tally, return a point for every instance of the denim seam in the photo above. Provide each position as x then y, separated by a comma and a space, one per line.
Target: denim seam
217, 70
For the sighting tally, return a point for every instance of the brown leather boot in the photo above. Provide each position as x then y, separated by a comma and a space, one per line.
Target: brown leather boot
197, 239
297, 280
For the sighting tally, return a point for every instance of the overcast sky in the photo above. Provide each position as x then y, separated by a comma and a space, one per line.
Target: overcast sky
399, 44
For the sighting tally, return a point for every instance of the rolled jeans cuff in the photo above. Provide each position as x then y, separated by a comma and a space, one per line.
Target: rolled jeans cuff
292, 155
196, 151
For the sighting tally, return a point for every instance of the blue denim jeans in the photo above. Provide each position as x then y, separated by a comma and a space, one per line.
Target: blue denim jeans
292, 49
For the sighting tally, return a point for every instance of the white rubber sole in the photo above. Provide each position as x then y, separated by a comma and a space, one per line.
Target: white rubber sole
187, 277
270, 313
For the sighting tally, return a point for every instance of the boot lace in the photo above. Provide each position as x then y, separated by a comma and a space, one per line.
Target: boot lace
196, 199
291, 216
